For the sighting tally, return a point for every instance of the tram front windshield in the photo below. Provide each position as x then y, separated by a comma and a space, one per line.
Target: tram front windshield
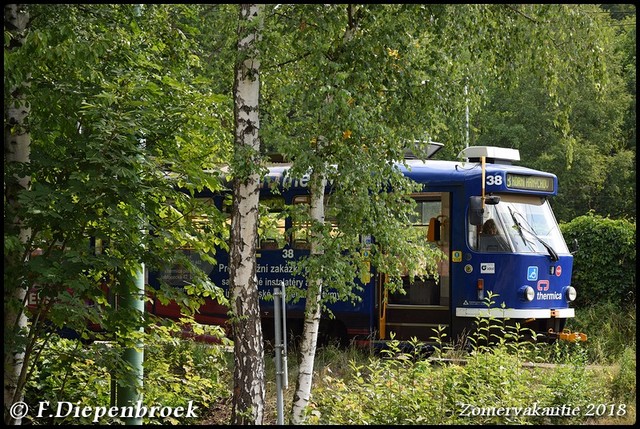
520, 224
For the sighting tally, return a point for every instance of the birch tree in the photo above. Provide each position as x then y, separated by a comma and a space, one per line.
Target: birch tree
313, 307
17, 140
249, 387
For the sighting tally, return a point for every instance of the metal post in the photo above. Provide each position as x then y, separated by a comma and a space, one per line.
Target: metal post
285, 383
129, 396
277, 309
466, 98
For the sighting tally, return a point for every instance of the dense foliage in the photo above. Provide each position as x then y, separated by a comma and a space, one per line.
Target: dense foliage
80, 374
492, 387
604, 267
583, 133
352, 385
115, 101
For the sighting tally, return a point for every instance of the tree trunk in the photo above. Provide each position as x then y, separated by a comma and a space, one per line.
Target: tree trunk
312, 308
249, 383
17, 142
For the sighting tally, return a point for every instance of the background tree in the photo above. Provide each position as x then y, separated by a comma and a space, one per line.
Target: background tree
248, 379
591, 148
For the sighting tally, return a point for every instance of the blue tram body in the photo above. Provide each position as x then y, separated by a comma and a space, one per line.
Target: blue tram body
525, 266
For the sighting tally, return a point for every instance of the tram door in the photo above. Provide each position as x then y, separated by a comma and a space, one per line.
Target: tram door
426, 304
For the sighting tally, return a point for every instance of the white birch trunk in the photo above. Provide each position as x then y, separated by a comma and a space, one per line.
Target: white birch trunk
249, 383
312, 309
314, 292
17, 141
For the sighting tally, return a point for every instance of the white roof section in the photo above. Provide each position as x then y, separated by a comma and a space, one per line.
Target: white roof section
501, 153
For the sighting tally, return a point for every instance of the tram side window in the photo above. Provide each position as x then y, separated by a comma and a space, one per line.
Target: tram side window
300, 230
488, 237
271, 229
425, 210
301, 234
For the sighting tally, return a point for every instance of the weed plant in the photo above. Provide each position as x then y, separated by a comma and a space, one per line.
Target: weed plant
496, 385
611, 330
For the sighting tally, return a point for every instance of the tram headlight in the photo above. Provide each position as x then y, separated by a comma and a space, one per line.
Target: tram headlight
527, 293
570, 293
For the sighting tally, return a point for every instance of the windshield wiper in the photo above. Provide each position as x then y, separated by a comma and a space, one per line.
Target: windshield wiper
518, 226
552, 253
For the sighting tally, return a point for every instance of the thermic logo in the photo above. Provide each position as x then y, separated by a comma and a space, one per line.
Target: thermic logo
543, 285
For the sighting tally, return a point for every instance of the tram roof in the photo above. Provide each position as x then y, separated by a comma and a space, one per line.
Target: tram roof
434, 171
428, 171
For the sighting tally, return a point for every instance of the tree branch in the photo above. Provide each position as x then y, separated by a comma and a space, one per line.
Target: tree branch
514, 9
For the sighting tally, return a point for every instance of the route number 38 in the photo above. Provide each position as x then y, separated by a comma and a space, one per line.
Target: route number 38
494, 180
287, 253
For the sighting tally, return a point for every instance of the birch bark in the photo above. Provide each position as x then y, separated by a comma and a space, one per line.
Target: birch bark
249, 384
313, 306
17, 142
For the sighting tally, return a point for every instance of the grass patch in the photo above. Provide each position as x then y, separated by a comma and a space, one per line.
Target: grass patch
495, 385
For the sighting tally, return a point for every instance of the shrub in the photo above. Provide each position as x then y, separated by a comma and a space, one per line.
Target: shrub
69, 371
623, 385
179, 371
604, 267
176, 370
610, 328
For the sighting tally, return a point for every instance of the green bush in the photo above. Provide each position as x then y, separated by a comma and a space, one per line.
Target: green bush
176, 371
604, 268
623, 385
497, 384
181, 370
69, 371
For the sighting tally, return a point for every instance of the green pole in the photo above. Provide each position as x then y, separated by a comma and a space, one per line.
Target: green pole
130, 395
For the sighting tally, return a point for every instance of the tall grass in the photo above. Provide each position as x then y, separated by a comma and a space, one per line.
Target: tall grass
495, 386
176, 371
611, 330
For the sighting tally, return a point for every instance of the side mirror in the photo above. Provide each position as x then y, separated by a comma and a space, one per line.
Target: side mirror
475, 210
492, 200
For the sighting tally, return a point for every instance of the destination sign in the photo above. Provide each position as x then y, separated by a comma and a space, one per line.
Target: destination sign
532, 183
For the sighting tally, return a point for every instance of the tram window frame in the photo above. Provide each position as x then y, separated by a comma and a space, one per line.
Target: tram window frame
272, 223
300, 237
422, 214
482, 242
300, 229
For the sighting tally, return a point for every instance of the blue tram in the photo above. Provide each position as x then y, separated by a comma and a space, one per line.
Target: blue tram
490, 217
